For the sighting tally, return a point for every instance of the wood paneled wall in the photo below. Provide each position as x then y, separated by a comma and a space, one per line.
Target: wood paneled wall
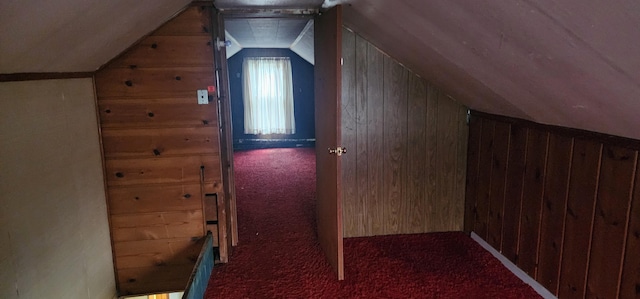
405, 167
162, 152
562, 204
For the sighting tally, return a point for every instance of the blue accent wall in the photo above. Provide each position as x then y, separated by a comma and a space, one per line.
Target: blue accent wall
303, 97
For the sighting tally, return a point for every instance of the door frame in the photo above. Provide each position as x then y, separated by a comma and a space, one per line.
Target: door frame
225, 130
337, 260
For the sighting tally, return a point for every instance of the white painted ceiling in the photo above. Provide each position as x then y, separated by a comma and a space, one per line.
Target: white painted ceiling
295, 33
573, 63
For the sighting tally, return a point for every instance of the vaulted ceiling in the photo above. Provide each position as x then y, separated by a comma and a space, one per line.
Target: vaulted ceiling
573, 63
295, 33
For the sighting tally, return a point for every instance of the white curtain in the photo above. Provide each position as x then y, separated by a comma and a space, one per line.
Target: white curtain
268, 96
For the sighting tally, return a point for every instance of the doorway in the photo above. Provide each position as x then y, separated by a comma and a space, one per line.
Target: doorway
260, 35
282, 38
326, 84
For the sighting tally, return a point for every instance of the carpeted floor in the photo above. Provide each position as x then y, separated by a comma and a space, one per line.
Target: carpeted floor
278, 256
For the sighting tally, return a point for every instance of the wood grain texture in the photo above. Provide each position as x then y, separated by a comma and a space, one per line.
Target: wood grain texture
157, 112
447, 137
352, 224
484, 179
553, 211
611, 216
160, 142
224, 230
168, 51
328, 81
431, 180
499, 160
395, 134
585, 167
406, 164
162, 152
460, 168
473, 158
415, 208
210, 208
193, 21
152, 82
513, 192
226, 127
375, 141
213, 228
144, 199
534, 178
630, 281
570, 216
155, 252
155, 226
169, 170
362, 136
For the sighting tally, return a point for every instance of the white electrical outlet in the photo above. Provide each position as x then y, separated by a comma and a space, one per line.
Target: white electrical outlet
203, 97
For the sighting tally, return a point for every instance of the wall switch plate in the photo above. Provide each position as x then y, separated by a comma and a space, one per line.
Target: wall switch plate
203, 97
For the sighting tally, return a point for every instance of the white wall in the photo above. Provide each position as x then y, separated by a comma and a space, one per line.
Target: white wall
54, 232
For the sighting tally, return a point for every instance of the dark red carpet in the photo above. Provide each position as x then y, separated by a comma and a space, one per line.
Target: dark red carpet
278, 256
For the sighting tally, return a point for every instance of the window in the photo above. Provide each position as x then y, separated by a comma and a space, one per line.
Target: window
268, 96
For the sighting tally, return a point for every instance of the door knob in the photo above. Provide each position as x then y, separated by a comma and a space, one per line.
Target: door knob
338, 151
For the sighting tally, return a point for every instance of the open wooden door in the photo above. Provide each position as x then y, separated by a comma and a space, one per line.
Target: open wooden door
328, 78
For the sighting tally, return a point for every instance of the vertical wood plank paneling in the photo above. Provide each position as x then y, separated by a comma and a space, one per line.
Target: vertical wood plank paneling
446, 150
395, 134
416, 158
375, 140
406, 167
499, 158
431, 213
553, 210
611, 215
534, 177
585, 167
630, 282
362, 132
349, 174
473, 159
570, 207
513, 192
461, 170
484, 179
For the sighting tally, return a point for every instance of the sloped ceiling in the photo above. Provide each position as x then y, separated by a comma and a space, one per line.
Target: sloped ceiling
293, 33
74, 35
261, 4
573, 63
265, 33
276, 27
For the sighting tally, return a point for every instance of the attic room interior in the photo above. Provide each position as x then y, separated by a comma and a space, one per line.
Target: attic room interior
512, 124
